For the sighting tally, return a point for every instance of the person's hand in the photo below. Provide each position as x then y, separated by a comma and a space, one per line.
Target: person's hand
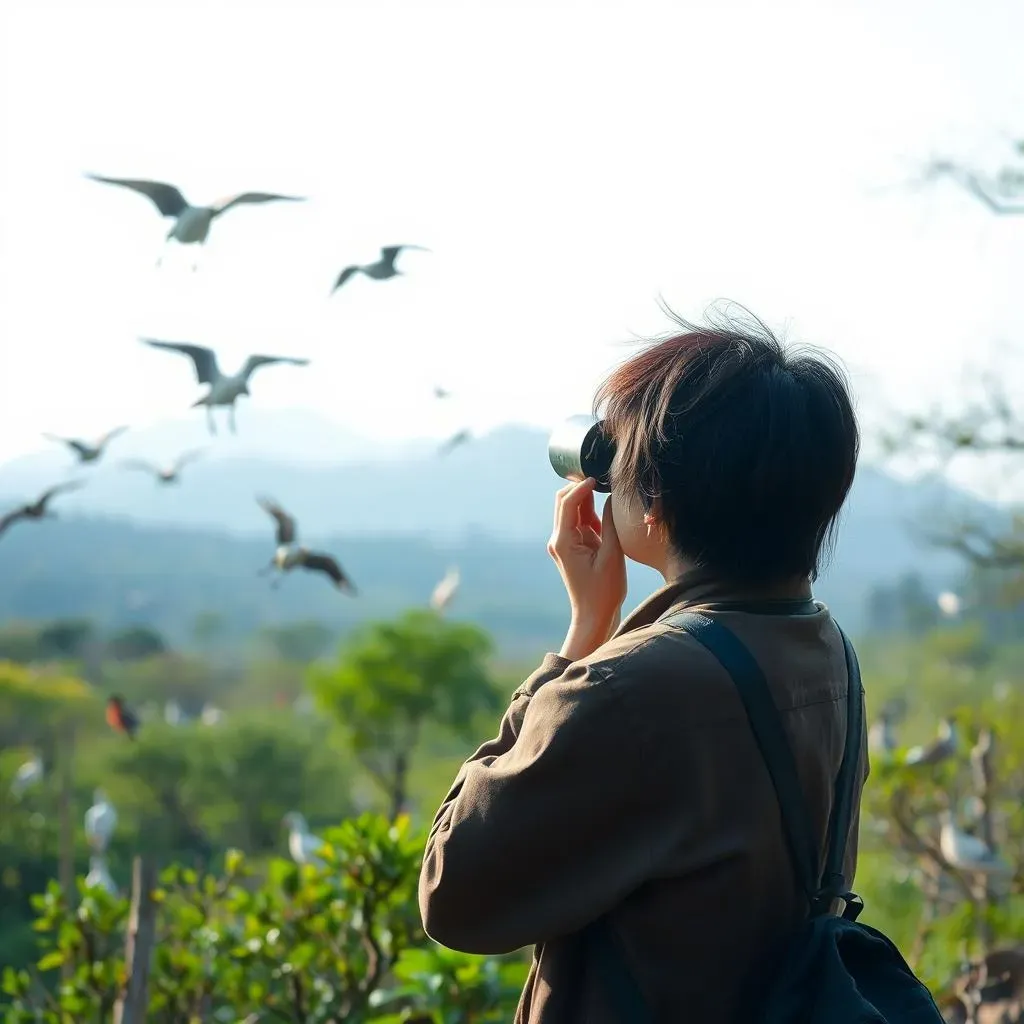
590, 560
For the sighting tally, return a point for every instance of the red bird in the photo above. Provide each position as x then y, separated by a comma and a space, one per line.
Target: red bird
121, 718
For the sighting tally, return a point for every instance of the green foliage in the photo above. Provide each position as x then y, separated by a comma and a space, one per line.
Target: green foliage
339, 942
392, 676
299, 641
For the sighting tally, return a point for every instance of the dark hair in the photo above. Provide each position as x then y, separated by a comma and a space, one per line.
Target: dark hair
749, 447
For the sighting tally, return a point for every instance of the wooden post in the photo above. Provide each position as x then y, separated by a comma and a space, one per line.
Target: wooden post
133, 1002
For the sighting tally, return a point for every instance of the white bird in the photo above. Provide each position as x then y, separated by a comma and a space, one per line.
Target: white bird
445, 591
290, 555
100, 821
942, 747
224, 389
379, 271
27, 775
882, 736
968, 853
88, 451
302, 844
191, 223
169, 473
949, 603
173, 715
211, 715
99, 876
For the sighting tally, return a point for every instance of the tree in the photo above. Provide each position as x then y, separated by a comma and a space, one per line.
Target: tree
135, 643
299, 641
392, 676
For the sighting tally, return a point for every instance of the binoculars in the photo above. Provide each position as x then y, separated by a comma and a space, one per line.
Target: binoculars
579, 448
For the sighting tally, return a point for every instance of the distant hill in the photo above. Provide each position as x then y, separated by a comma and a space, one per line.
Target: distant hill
397, 516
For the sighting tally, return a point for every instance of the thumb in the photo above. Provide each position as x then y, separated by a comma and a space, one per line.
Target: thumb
609, 535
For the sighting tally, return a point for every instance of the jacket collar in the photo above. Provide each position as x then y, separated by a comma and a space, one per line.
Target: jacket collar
700, 586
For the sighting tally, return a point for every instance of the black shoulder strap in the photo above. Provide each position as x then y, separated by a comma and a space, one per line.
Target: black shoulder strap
769, 732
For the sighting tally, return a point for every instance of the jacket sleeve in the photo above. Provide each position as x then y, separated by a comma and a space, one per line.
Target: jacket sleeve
546, 827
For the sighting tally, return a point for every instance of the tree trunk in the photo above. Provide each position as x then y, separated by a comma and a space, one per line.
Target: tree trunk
133, 1003
65, 754
399, 783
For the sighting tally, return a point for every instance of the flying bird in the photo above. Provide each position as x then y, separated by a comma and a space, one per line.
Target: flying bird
440, 392
379, 271
224, 389
454, 441
38, 509
169, 473
445, 591
191, 223
86, 451
942, 747
27, 775
290, 555
120, 717
100, 821
302, 844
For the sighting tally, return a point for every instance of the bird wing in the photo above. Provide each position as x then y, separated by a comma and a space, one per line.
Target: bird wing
285, 522
109, 436
317, 561
8, 519
78, 446
254, 362
453, 442
186, 457
389, 253
166, 198
224, 204
149, 467
344, 276
207, 370
70, 485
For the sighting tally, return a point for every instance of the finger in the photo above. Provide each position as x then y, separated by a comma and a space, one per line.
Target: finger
571, 504
559, 495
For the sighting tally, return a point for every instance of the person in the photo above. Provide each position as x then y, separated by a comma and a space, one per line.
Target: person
625, 782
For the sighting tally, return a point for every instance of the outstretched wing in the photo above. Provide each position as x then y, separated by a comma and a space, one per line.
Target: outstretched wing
149, 467
109, 436
78, 446
46, 496
344, 276
166, 198
10, 518
316, 561
222, 205
285, 523
254, 362
186, 457
390, 252
207, 370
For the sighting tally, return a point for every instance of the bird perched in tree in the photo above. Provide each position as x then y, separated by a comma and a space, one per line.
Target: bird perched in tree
99, 876
120, 717
26, 776
967, 852
942, 747
302, 844
191, 223
290, 555
445, 591
453, 442
37, 509
379, 271
100, 821
168, 474
224, 389
86, 451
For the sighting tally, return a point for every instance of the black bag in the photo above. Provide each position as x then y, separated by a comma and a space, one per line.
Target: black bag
835, 971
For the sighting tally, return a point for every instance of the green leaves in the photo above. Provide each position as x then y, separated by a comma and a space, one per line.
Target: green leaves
312, 944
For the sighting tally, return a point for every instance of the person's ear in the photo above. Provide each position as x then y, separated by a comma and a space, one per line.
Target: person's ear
652, 517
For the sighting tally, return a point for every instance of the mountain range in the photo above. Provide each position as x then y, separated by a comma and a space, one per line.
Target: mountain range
125, 549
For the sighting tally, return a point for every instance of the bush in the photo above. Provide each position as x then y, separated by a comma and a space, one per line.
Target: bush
311, 944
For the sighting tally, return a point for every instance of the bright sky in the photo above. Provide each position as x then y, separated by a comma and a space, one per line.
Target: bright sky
566, 163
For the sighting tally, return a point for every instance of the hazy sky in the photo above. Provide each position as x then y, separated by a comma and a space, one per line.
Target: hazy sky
565, 163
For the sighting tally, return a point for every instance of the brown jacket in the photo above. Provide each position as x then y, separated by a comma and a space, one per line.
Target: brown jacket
630, 783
